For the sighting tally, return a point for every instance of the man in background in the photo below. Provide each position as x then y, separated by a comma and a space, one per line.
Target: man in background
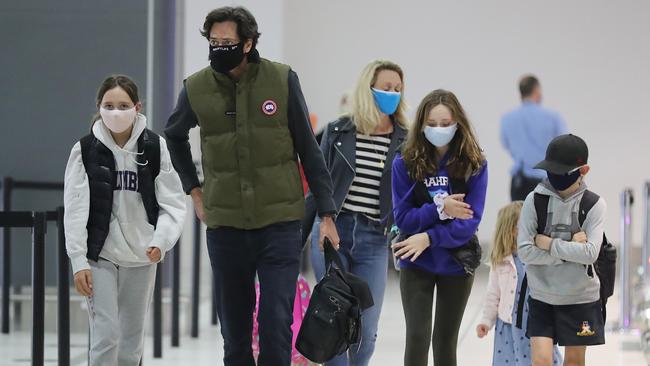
525, 133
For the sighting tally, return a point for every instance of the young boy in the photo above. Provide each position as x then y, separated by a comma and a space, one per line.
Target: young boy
564, 304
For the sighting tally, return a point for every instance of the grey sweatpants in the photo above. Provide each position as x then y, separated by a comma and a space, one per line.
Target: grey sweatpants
117, 311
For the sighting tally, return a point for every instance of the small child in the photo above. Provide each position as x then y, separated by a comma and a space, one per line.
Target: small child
511, 346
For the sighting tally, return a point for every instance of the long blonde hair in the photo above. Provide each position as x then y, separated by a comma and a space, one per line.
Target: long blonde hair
363, 109
505, 238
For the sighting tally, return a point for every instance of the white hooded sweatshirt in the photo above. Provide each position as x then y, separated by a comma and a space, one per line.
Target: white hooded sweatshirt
130, 233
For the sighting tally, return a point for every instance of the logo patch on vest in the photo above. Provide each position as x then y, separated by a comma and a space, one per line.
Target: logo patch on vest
269, 107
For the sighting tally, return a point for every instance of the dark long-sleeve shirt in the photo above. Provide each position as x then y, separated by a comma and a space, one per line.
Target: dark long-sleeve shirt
183, 119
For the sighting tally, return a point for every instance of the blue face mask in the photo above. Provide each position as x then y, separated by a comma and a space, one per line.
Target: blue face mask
387, 102
562, 182
440, 136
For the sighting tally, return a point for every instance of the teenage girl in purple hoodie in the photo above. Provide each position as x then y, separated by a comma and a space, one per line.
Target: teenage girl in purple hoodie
441, 148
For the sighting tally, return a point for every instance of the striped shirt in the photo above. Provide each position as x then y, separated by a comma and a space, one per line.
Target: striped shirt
363, 196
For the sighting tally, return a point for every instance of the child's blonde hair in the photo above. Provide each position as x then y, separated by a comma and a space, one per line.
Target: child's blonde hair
505, 238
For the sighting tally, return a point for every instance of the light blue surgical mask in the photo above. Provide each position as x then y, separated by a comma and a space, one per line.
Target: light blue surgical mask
440, 136
387, 102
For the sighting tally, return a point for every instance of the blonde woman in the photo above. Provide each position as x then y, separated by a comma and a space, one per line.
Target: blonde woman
500, 310
359, 149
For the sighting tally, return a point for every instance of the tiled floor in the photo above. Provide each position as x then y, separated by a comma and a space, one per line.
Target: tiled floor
207, 349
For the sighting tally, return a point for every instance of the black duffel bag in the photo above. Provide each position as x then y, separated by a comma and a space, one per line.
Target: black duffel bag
333, 319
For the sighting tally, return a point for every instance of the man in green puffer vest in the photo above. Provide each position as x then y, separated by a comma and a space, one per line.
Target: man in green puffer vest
254, 126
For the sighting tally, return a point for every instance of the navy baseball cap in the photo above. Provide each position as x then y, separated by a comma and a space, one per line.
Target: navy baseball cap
564, 154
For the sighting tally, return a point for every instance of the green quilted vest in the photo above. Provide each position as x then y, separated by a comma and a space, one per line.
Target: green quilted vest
250, 168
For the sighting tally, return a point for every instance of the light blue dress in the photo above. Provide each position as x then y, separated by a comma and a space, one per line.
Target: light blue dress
511, 346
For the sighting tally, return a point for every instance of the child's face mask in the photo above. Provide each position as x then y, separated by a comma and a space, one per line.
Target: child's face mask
440, 136
117, 120
562, 182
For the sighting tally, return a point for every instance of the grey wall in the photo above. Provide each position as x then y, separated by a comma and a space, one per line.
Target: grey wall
55, 54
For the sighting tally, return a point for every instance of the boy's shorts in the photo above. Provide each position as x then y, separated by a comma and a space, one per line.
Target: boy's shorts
567, 325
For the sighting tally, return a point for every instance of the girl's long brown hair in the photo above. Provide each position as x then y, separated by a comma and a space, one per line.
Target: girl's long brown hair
420, 156
505, 237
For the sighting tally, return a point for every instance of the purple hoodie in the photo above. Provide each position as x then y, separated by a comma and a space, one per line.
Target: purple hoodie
411, 219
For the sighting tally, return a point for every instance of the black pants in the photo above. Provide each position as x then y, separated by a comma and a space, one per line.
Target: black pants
417, 288
521, 186
273, 254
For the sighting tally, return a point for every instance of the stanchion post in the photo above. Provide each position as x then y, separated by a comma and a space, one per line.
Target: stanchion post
7, 186
646, 233
38, 288
627, 200
63, 298
196, 278
157, 313
176, 293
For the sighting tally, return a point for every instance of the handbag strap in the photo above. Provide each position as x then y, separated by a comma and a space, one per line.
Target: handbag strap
331, 255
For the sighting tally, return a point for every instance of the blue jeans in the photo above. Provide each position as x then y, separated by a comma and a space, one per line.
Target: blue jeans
364, 252
236, 255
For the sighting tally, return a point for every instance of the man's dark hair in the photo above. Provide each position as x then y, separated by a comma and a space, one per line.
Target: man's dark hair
527, 85
246, 24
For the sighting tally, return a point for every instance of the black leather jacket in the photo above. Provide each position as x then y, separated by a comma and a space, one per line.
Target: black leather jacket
338, 145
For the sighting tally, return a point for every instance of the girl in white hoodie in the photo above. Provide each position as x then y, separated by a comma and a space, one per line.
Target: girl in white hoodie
122, 214
511, 346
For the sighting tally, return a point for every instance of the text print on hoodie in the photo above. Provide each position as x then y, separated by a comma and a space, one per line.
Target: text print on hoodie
130, 232
560, 276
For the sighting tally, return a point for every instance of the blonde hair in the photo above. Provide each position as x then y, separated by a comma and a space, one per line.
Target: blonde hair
505, 238
363, 110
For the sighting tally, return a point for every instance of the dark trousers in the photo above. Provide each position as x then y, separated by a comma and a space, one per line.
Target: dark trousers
273, 254
417, 288
521, 186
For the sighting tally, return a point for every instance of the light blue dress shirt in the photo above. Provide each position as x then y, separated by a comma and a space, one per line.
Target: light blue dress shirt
526, 132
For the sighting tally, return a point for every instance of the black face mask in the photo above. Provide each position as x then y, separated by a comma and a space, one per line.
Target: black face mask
226, 58
563, 181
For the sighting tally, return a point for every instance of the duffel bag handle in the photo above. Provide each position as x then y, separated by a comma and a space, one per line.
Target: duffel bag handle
331, 255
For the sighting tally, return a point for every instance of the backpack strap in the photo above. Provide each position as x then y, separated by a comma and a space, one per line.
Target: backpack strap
458, 185
541, 208
421, 194
522, 302
587, 202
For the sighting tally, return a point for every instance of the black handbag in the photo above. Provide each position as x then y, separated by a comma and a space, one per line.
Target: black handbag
333, 319
468, 255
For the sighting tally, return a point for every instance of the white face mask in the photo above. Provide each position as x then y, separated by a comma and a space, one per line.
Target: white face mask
440, 136
116, 120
